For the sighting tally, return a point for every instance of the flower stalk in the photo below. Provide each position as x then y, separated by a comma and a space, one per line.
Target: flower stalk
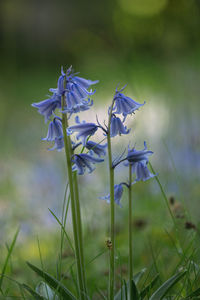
68, 152
130, 233
112, 211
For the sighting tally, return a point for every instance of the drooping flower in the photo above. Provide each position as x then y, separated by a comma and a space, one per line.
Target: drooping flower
75, 91
124, 105
48, 106
58, 144
117, 127
142, 172
84, 161
96, 148
54, 130
138, 156
84, 131
55, 134
118, 192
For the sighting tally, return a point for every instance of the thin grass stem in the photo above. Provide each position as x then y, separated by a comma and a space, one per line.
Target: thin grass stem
130, 233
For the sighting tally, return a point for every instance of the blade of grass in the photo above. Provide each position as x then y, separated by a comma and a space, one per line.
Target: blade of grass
8, 257
54, 283
67, 237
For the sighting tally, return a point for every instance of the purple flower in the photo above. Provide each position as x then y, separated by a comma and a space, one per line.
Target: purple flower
84, 161
138, 156
55, 134
84, 131
54, 130
117, 127
124, 105
48, 106
142, 172
96, 148
118, 192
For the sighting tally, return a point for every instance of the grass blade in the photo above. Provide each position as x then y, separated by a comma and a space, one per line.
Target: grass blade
135, 295
145, 292
33, 293
166, 286
54, 283
8, 257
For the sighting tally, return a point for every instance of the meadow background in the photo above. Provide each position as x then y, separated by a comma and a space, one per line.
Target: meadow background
153, 46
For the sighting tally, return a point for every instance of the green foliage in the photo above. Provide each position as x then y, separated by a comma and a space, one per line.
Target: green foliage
53, 282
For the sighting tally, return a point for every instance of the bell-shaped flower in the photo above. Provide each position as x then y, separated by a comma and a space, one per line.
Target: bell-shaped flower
142, 172
138, 156
83, 162
55, 134
75, 108
118, 192
124, 105
84, 131
58, 144
85, 83
117, 127
96, 148
48, 106
54, 130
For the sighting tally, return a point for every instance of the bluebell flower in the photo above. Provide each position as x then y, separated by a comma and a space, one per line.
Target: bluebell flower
124, 105
55, 134
75, 90
118, 192
48, 106
55, 130
138, 156
84, 161
96, 148
142, 172
85, 83
58, 144
117, 127
84, 131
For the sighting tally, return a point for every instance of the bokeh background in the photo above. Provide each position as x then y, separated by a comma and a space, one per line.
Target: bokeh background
153, 46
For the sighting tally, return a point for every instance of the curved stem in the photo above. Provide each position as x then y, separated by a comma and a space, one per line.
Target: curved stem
68, 151
130, 233
112, 212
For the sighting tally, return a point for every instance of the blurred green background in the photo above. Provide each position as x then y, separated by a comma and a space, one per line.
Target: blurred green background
153, 46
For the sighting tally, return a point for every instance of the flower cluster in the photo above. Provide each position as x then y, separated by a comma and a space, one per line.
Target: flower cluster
76, 95
71, 96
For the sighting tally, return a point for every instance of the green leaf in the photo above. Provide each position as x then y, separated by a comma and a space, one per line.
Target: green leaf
193, 294
32, 292
138, 276
54, 283
10, 250
135, 295
45, 291
121, 294
147, 289
166, 286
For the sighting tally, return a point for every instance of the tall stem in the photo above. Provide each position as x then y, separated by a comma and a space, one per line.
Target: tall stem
80, 232
130, 234
68, 152
112, 212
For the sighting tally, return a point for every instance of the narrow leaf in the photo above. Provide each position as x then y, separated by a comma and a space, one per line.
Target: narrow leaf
193, 294
166, 286
8, 257
147, 289
138, 276
54, 283
33, 293
135, 295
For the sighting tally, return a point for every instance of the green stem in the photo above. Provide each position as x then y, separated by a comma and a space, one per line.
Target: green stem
130, 233
68, 151
112, 212
80, 232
